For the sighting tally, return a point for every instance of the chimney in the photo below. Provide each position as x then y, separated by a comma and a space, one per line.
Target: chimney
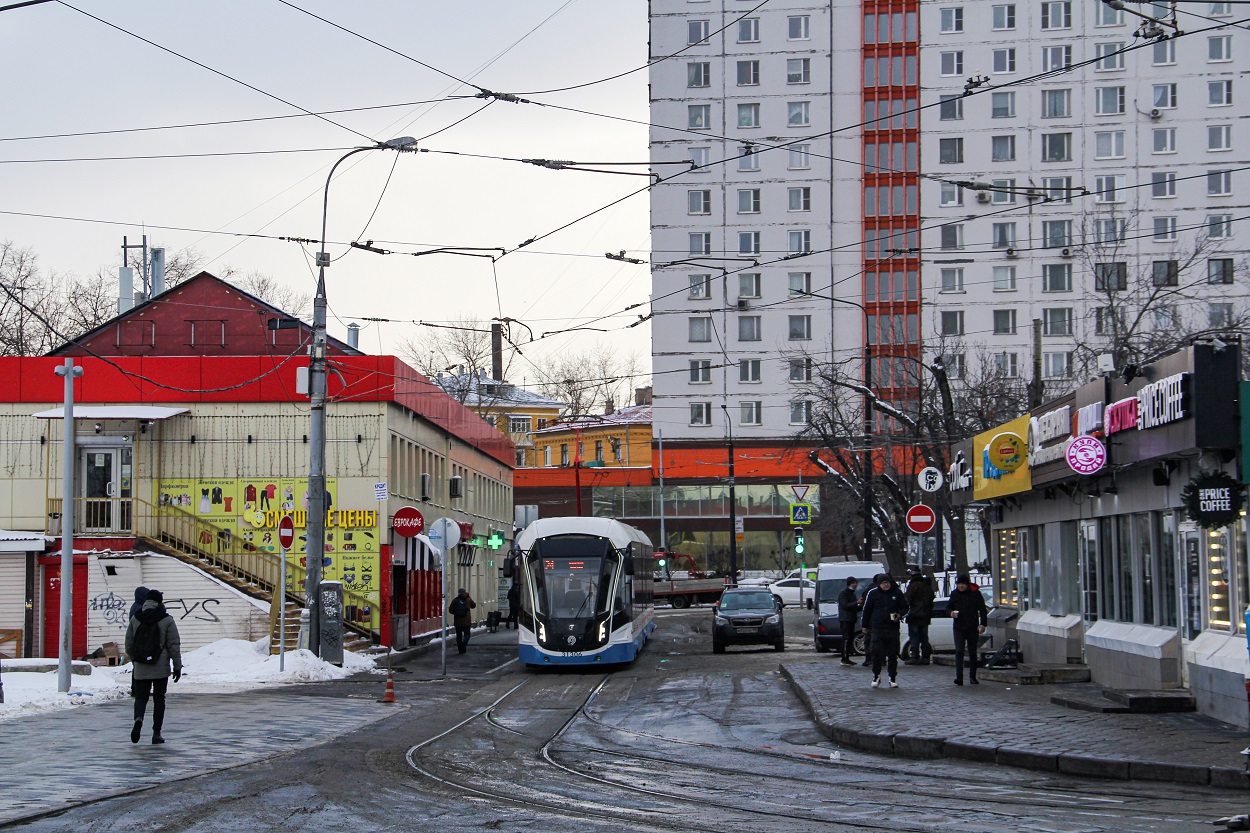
157, 266
496, 351
125, 289
642, 396
353, 335
608, 408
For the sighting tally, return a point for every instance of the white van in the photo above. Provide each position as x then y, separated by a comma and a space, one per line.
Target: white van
830, 581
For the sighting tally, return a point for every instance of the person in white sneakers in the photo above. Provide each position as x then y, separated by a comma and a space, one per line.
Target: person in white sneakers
885, 607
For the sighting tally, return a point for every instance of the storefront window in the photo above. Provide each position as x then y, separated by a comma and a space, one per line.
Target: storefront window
1008, 588
1089, 568
1144, 548
1218, 615
1243, 578
1107, 570
1193, 582
1124, 567
1167, 570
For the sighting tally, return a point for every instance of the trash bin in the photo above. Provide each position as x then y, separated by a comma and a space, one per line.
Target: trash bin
54, 523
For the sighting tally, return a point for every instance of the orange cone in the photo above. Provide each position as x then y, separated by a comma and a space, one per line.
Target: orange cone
389, 697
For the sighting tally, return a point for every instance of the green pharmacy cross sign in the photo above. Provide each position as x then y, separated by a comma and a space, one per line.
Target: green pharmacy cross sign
495, 541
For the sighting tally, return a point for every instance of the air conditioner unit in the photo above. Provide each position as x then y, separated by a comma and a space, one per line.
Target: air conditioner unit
743, 303
1065, 252
426, 480
1012, 253
983, 196
1156, 113
456, 487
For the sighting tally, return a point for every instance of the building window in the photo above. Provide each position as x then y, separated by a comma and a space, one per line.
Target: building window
800, 328
748, 328
564, 454
1056, 147
700, 413
799, 199
1056, 233
1055, 58
749, 370
1163, 96
1163, 140
1004, 322
1219, 226
748, 115
952, 236
1163, 53
598, 451
698, 74
519, 425
1110, 231
748, 73
1110, 277
749, 30
798, 70
799, 27
748, 242
1220, 270
798, 114
699, 158
952, 19
951, 107
700, 286
1220, 137
700, 328
1109, 144
1057, 365
749, 160
950, 150
1219, 49
800, 283
1056, 104
955, 365
1057, 15
1110, 56
1165, 317
1007, 365
1109, 189
1164, 229
1220, 9
698, 116
1219, 183
952, 322
953, 280
1057, 277
800, 157
700, 242
951, 194
1165, 273
1058, 188
749, 412
696, 31
699, 202
1003, 105
1109, 16
1004, 192
801, 413
952, 63
748, 201
1057, 321
1003, 235
1220, 315
700, 371
1163, 184
1004, 17
748, 284
800, 242
1003, 61
1004, 279
1109, 101
800, 370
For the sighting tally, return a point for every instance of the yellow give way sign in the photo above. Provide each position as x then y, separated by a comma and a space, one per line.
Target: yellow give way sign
800, 513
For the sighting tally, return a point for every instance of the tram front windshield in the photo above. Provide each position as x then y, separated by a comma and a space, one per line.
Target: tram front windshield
572, 575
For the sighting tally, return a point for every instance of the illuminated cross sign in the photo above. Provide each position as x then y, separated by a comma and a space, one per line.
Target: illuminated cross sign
495, 541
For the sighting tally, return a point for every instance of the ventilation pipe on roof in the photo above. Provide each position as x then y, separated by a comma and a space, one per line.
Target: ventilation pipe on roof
157, 265
353, 335
125, 289
496, 351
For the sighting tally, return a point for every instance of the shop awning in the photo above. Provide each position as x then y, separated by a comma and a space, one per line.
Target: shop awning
101, 412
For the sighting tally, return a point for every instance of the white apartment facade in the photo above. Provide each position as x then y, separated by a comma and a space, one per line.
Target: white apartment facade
1156, 136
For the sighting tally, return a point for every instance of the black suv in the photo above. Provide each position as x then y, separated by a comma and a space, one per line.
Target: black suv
747, 616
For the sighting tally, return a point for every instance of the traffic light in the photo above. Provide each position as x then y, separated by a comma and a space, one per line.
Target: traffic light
799, 546
662, 562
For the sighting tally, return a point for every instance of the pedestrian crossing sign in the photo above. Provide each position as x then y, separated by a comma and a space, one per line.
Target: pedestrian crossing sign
800, 513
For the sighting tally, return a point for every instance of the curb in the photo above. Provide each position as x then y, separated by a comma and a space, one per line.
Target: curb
904, 745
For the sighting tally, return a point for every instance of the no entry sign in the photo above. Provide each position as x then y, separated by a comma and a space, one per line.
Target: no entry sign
920, 519
286, 532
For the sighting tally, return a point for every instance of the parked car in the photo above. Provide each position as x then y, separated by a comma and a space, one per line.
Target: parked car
747, 616
830, 582
941, 633
794, 591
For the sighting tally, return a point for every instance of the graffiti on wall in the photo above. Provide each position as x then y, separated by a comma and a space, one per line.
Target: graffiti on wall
116, 610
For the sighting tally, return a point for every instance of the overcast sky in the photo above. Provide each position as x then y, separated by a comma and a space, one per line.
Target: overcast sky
68, 73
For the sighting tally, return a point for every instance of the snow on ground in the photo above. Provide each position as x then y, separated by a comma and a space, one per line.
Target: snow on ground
225, 665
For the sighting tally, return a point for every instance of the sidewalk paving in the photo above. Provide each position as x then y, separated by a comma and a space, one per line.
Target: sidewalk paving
1013, 725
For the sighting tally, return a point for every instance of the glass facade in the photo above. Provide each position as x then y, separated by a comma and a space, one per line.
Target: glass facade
710, 501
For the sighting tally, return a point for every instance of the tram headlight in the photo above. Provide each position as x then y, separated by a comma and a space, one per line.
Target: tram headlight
542, 632
603, 630
772, 620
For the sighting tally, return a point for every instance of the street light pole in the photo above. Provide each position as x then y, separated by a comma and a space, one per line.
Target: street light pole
317, 409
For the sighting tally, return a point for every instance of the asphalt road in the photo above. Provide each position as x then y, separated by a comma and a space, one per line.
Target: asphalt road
680, 741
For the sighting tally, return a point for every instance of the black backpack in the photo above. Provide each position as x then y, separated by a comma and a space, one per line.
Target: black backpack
147, 643
459, 607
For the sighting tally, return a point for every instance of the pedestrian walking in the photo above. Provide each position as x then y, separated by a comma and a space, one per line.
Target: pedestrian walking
919, 597
141, 596
968, 620
462, 618
885, 607
848, 618
155, 653
514, 605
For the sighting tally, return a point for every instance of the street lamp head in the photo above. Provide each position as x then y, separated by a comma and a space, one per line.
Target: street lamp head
403, 143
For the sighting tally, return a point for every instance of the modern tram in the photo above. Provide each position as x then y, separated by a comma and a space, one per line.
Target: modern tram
581, 603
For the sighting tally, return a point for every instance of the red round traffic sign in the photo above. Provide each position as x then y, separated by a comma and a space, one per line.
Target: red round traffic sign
920, 519
407, 522
286, 532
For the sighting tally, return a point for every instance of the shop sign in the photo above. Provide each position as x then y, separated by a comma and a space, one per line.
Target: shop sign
1050, 426
960, 474
1213, 499
1156, 404
1003, 444
407, 522
1006, 451
1086, 455
1089, 419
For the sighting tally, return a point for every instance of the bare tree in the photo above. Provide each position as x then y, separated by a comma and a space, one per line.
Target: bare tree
31, 304
590, 380
461, 348
267, 288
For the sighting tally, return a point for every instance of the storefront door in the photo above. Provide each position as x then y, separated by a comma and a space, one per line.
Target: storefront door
105, 475
1192, 581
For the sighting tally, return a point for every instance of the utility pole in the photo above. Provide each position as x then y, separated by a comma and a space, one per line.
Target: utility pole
733, 507
867, 448
663, 532
1036, 386
66, 647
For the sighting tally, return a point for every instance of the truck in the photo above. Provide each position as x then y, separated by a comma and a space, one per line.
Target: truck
684, 587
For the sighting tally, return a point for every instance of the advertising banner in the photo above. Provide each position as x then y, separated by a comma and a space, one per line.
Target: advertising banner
987, 479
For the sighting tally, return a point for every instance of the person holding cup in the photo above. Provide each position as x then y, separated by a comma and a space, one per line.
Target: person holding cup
968, 620
884, 609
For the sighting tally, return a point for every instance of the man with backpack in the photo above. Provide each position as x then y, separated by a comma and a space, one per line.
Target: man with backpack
153, 645
462, 618
920, 597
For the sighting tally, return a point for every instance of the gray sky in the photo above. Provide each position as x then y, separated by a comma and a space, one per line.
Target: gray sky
66, 73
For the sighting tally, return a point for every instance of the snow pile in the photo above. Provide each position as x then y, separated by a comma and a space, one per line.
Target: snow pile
225, 665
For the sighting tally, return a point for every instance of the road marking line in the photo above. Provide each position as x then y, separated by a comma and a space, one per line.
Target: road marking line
505, 665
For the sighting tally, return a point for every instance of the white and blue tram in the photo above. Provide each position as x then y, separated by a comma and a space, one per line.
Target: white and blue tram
580, 601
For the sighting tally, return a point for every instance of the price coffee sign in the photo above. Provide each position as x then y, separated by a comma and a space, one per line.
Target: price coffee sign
1213, 499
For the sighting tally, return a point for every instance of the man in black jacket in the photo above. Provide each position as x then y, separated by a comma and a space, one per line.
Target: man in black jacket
968, 619
884, 608
848, 616
919, 615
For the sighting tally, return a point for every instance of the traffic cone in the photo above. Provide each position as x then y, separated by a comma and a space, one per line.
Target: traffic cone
389, 697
